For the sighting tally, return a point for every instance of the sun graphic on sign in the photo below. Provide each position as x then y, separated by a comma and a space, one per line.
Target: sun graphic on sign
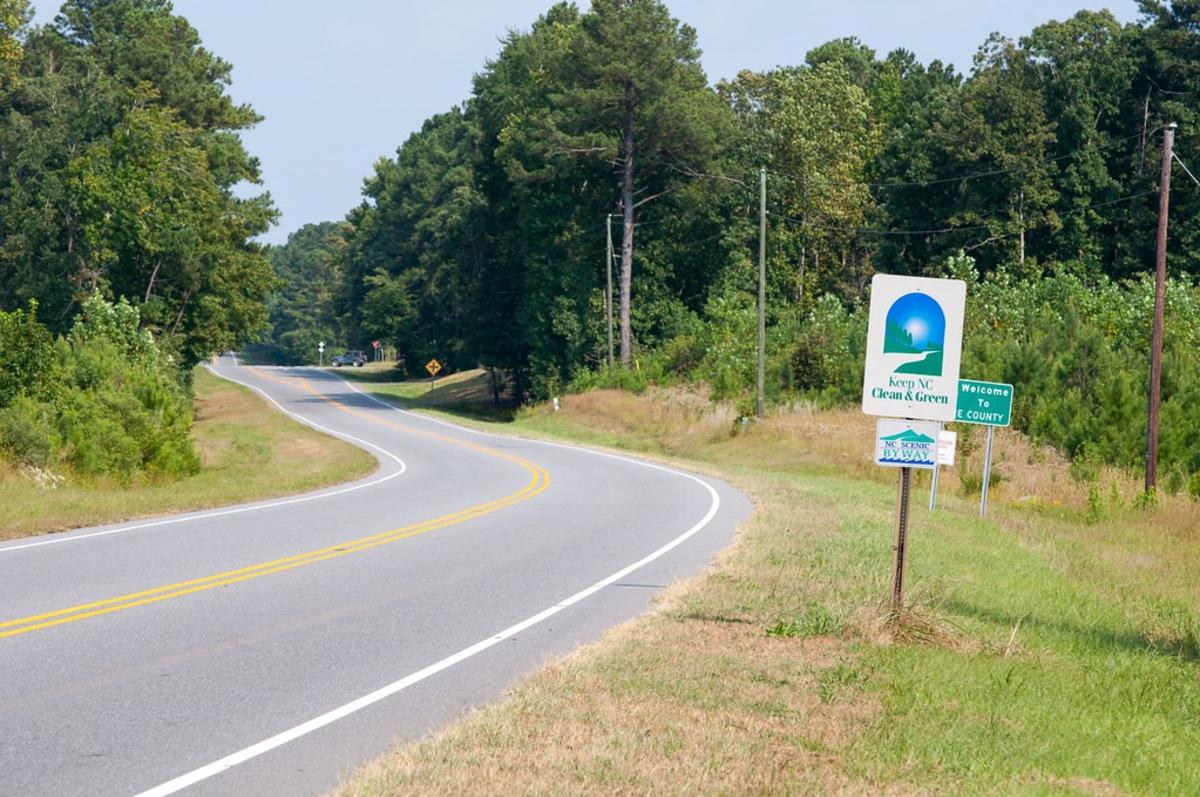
916, 326
918, 330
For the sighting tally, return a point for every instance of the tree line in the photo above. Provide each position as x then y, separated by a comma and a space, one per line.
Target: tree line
483, 240
125, 255
119, 153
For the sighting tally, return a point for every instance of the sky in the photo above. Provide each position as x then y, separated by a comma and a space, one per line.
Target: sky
344, 84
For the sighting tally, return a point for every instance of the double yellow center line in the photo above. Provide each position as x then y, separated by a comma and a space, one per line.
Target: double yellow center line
539, 480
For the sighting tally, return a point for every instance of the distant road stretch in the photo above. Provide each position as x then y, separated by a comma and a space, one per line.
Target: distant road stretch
270, 648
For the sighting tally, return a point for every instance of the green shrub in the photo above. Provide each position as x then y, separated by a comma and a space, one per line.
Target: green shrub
103, 402
26, 349
27, 434
119, 417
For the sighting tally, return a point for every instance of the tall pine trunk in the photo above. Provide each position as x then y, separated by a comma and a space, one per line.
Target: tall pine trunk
627, 237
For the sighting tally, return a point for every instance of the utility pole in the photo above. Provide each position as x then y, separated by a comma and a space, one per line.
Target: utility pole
762, 288
1160, 282
608, 266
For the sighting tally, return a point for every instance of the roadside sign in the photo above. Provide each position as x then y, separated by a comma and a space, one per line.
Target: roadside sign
433, 366
914, 344
946, 443
374, 344
986, 403
320, 346
946, 447
906, 444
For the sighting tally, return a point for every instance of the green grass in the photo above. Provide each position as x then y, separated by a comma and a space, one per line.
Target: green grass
248, 450
1035, 655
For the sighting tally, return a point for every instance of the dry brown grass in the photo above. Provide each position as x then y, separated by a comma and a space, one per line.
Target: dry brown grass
1024, 474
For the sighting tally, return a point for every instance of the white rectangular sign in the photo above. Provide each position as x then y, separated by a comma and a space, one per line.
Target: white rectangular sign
914, 344
906, 444
947, 443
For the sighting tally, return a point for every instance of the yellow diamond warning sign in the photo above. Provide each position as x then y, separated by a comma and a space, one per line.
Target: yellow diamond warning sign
433, 366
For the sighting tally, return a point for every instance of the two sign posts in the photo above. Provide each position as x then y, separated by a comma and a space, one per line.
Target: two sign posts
914, 345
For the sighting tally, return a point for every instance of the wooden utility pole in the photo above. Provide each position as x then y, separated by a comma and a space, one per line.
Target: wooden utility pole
608, 297
1160, 283
762, 290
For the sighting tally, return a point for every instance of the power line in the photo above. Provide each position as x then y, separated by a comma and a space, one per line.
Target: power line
945, 180
951, 229
1185, 168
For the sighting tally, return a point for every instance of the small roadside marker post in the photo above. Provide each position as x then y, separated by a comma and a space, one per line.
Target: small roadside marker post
914, 345
987, 404
321, 354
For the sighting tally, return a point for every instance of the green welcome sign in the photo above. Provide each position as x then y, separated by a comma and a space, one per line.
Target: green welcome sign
986, 403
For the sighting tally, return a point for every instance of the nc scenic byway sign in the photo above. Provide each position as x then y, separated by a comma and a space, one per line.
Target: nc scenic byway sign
906, 444
914, 343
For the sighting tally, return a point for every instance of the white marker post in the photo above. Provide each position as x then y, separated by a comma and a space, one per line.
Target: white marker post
937, 469
321, 354
914, 344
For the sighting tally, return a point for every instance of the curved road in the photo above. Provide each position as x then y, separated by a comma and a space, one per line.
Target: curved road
270, 648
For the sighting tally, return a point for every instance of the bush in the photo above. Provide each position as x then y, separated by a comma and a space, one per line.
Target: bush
120, 418
27, 434
26, 349
103, 402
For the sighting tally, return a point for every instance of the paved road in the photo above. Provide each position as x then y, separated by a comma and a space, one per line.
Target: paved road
271, 648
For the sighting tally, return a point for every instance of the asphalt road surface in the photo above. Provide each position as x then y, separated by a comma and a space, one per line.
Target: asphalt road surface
270, 648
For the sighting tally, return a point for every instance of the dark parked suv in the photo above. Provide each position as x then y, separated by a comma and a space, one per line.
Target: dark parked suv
355, 358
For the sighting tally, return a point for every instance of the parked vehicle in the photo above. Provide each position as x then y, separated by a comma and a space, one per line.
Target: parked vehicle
355, 358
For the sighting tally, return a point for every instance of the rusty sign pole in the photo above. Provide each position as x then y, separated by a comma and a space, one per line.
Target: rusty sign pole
903, 494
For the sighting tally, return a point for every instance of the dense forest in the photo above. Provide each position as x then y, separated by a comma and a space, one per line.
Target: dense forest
485, 239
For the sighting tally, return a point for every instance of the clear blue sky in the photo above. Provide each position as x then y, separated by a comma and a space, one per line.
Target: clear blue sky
343, 84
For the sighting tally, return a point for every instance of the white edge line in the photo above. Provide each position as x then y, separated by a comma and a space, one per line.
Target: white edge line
316, 723
67, 537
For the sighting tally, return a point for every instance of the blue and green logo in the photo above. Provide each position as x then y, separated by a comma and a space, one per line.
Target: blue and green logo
916, 326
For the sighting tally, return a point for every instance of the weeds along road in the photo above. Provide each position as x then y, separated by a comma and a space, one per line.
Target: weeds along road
270, 648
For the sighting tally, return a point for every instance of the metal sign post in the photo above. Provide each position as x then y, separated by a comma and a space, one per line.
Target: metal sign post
900, 547
321, 354
987, 472
933, 483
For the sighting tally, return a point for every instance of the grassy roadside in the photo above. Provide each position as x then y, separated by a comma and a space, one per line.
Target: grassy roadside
466, 394
1052, 649
248, 451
